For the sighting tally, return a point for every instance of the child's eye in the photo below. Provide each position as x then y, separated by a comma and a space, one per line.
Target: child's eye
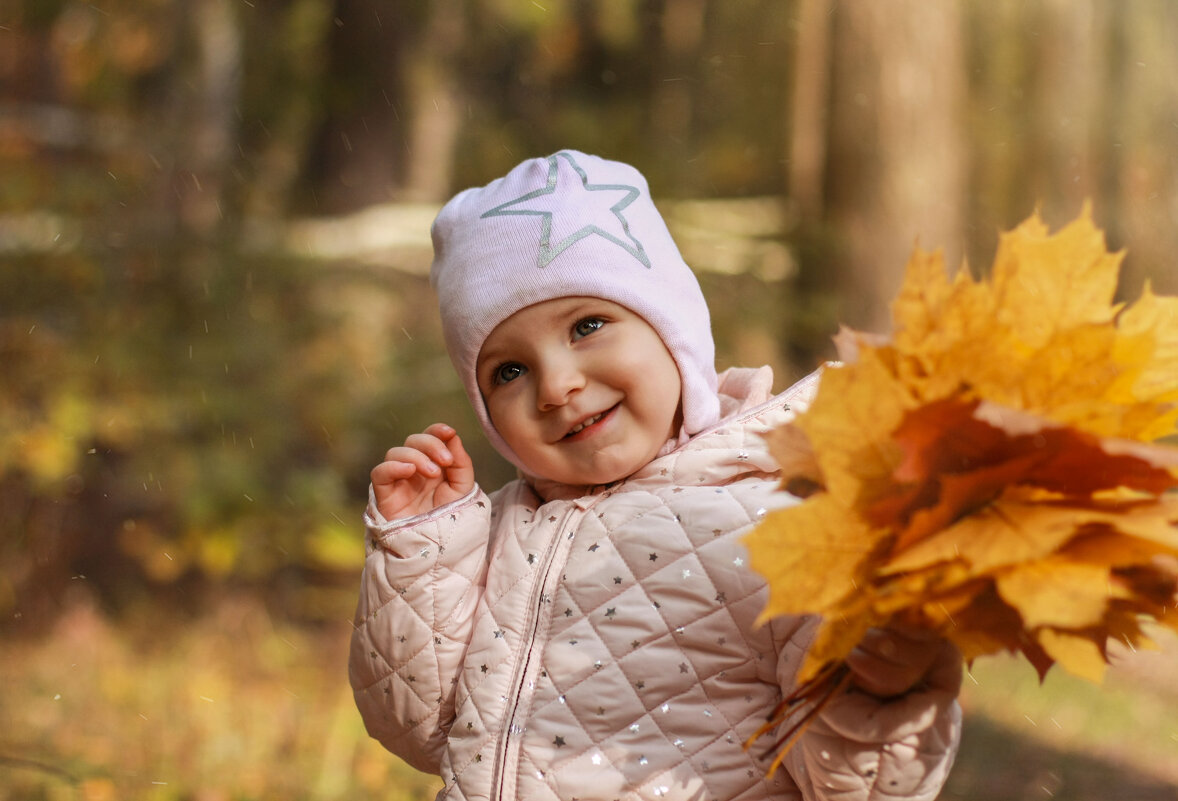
587, 326
510, 371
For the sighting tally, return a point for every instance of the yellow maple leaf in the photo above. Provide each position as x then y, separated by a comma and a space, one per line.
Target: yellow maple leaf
1057, 592
1045, 284
816, 576
1150, 338
1080, 655
849, 426
1044, 335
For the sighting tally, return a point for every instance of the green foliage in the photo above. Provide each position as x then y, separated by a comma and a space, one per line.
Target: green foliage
200, 414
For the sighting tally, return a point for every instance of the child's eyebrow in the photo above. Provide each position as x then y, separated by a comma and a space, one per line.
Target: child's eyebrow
487, 356
589, 307
492, 356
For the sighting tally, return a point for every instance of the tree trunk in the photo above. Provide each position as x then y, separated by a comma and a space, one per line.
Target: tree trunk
807, 124
435, 101
675, 76
395, 140
1071, 85
211, 119
1143, 126
897, 146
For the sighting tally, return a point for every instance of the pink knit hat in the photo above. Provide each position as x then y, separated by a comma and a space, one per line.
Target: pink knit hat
568, 225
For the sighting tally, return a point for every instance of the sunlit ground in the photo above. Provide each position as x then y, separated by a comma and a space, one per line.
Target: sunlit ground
1068, 738
233, 705
229, 706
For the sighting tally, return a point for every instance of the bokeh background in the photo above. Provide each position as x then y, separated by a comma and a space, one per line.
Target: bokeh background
214, 317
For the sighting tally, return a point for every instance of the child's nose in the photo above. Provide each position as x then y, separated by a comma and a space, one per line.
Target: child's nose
559, 380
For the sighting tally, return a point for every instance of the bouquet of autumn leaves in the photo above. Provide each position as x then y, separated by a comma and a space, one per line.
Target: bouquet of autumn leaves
992, 472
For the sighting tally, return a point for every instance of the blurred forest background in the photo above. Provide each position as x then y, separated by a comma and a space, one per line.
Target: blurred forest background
214, 317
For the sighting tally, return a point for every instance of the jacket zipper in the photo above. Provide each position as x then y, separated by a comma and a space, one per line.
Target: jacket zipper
509, 743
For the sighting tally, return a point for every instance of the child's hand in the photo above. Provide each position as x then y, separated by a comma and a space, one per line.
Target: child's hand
429, 470
891, 661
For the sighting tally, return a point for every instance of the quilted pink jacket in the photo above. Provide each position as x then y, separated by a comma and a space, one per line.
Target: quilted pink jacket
548, 644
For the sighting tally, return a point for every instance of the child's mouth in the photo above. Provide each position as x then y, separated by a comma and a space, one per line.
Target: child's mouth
587, 422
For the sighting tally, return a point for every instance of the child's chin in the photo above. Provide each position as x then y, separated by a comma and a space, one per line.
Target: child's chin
588, 477
607, 466
596, 478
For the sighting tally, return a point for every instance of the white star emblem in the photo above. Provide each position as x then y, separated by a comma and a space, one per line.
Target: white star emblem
563, 222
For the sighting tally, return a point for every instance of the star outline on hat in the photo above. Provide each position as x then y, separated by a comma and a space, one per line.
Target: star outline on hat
549, 252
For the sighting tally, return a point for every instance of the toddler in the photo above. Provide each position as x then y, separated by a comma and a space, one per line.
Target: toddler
588, 631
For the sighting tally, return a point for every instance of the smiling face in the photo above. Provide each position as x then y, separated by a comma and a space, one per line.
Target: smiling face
583, 390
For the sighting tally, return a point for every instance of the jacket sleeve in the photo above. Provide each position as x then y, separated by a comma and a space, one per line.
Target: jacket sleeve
422, 580
863, 748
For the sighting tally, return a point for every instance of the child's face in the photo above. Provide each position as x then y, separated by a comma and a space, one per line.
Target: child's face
582, 389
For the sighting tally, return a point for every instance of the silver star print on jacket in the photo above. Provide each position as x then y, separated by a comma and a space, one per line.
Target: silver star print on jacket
565, 203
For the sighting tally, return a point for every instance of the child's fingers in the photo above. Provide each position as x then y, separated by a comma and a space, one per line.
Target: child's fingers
430, 469
434, 447
460, 473
441, 430
443, 445
887, 662
877, 675
402, 463
389, 472
906, 642
947, 669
